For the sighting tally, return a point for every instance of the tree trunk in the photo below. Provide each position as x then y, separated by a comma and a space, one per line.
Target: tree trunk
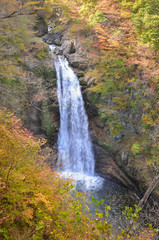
148, 192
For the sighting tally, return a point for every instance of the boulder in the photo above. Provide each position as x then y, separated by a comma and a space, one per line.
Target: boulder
77, 61
68, 47
58, 51
53, 38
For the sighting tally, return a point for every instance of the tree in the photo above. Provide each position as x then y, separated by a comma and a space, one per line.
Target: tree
14, 35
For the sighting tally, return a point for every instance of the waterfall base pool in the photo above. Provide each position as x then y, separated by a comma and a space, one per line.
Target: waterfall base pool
113, 194
84, 182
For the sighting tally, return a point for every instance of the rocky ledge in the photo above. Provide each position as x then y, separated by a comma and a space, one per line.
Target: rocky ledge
71, 49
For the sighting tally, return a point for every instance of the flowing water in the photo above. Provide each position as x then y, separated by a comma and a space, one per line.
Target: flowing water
75, 152
74, 143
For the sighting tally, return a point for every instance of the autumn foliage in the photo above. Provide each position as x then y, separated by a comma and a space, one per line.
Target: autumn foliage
33, 198
35, 202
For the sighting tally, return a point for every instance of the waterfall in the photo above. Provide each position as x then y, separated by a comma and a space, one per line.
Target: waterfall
75, 153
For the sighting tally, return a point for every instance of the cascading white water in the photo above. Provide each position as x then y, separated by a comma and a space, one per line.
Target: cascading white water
74, 143
76, 156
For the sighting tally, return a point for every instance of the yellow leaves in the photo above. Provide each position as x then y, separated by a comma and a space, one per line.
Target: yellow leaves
98, 87
21, 46
31, 3
37, 200
125, 14
14, 38
131, 80
14, 140
148, 120
8, 70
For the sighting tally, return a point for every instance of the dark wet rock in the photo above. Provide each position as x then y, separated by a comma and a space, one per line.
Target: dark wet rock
58, 51
119, 135
53, 38
80, 74
106, 166
34, 117
92, 110
66, 46
72, 48
41, 27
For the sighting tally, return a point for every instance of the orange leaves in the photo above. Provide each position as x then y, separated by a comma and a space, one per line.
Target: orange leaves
16, 142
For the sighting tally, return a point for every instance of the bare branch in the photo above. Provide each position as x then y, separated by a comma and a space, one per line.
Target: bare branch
149, 191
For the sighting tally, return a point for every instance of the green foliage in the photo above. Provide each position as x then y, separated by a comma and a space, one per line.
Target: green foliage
35, 203
113, 72
133, 215
96, 17
47, 73
42, 53
47, 121
116, 128
136, 148
16, 22
145, 15
14, 38
125, 102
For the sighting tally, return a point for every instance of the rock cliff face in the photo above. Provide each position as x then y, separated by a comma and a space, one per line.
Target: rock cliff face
41, 112
34, 99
